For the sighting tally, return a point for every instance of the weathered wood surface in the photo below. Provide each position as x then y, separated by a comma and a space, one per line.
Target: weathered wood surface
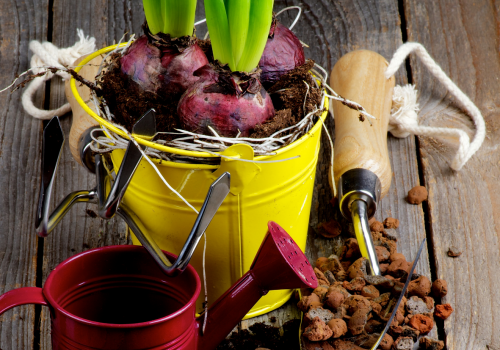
462, 210
464, 207
107, 21
20, 143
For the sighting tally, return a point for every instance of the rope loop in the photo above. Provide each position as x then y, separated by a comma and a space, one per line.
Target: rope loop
404, 118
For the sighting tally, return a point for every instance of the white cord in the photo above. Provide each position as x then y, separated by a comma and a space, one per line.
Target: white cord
404, 117
48, 55
296, 18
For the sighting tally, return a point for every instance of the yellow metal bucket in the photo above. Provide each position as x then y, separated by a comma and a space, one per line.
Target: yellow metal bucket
278, 191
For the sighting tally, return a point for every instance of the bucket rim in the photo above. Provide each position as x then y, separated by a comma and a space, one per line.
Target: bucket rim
167, 149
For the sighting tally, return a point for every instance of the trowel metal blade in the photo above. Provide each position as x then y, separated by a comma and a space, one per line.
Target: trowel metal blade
408, 279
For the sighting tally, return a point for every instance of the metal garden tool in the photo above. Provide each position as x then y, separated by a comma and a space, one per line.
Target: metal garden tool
362, 171
405, 287
53, 140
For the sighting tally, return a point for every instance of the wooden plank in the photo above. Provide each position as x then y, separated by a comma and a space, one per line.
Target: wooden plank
463, 38
107, 21
20, 143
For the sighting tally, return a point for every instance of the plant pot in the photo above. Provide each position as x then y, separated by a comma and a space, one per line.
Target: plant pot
260, 192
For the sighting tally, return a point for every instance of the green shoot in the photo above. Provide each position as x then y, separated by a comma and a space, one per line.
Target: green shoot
239, 30
174, 17
218, 26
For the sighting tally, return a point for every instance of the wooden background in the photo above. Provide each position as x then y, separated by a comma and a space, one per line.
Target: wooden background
463, 208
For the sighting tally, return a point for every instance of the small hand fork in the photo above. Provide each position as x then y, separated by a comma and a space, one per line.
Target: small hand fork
53, 141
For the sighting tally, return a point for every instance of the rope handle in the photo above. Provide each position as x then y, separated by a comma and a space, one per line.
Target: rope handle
47, 54
404, 119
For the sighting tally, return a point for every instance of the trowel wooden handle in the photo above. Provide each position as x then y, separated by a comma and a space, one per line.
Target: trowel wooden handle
82, 121
359, 76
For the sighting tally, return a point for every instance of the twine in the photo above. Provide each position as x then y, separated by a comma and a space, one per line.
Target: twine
48, 55
404, 118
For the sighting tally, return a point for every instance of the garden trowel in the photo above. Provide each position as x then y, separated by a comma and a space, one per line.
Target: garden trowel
362, 171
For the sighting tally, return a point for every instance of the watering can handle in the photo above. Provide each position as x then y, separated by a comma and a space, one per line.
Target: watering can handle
361, 144
21, 296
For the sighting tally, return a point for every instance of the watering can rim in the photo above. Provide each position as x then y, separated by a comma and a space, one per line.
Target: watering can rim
173, 150
53, 303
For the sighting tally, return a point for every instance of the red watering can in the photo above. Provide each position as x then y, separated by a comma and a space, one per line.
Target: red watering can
119, 298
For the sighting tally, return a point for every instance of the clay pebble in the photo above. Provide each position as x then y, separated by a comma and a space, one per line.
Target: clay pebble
317, 330
391, 223
443, 311
439, 288
330, 229
417, 195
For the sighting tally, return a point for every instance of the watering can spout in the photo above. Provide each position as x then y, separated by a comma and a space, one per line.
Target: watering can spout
279, 264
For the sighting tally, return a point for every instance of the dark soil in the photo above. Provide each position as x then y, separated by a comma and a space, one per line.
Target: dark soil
127, 104
264, 336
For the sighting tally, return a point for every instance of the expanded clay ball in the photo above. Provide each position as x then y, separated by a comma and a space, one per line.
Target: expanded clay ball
386, 343
427, 343
391, 223
308, 302
370, 292
439, 288
398, 268
382, 253
397, 256
357, 269
355, 285
421, 323
324, 315
317, 330
338, 327
357, 322
334, 299
355, 303
403, 343
322, 280
321, 291
330, 229
376, 226
320, 261
420, 287
443, 311
417, 195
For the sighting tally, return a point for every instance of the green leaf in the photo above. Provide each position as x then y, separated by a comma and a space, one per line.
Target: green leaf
178, 16
153, 15
174, 17
239, 15
261, 16
218, 27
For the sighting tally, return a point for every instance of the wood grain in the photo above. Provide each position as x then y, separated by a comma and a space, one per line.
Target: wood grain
463, 38
331, 29
82, 121
107, 21
360, 76
20, 144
